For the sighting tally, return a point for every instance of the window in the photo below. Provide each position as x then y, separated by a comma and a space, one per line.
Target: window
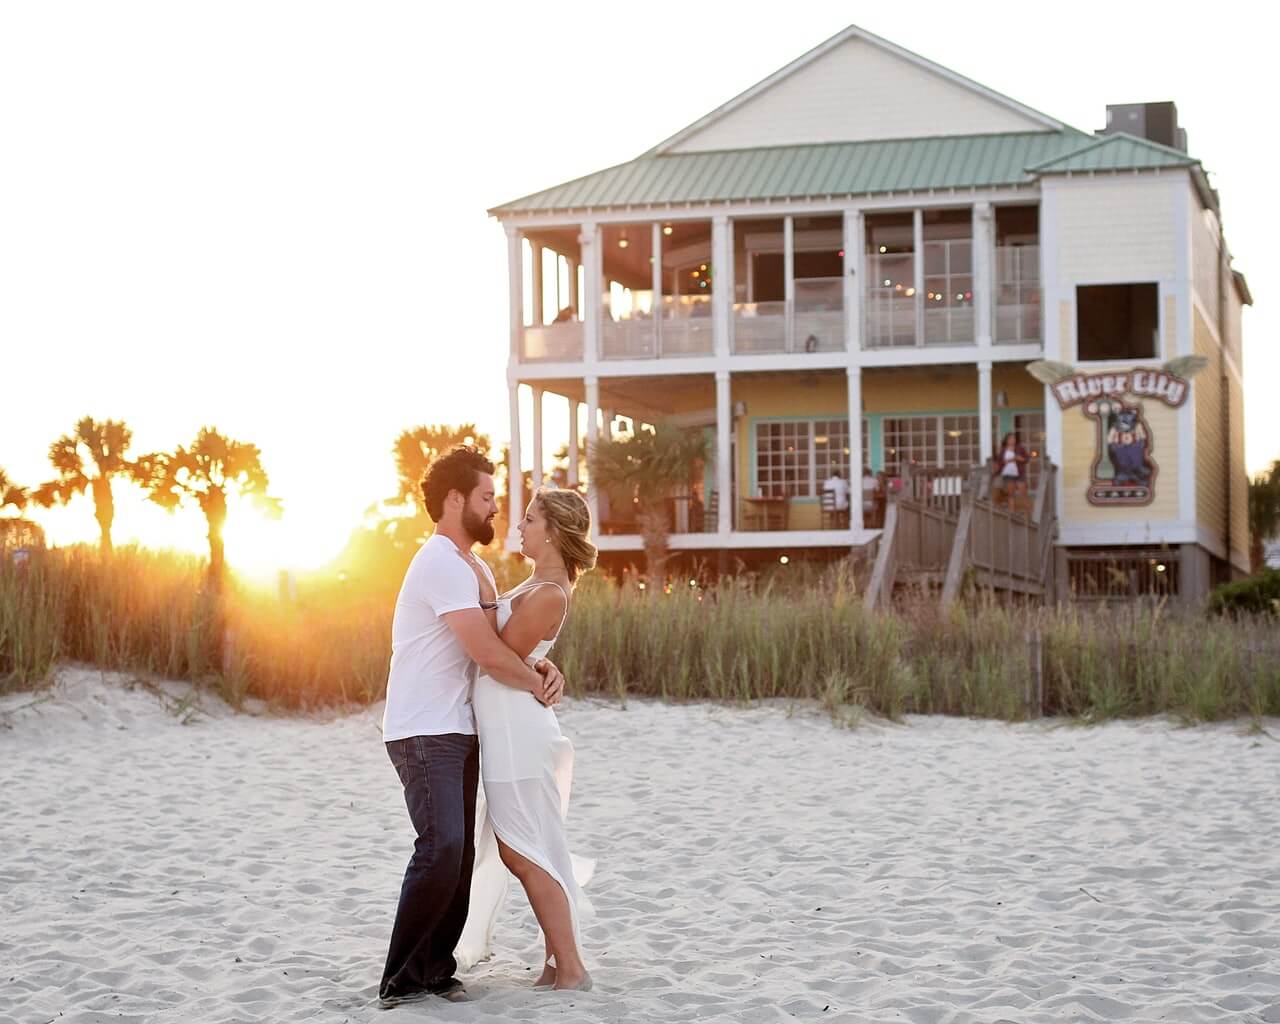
1029, 426
891, 303
960, 442
931, 442
948, 281
830, 449
1117, 321
782, 459
910, 441
792, 459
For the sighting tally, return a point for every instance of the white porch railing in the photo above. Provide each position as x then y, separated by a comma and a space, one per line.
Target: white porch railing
553, 343
814, 322
1017, 290
685, 326
628, 339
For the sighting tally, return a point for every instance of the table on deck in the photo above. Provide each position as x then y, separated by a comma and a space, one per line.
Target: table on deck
771, 512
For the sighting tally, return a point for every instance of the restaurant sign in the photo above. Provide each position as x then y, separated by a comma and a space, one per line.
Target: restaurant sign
1124, 469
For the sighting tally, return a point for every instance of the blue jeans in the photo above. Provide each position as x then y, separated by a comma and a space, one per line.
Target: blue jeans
440, 775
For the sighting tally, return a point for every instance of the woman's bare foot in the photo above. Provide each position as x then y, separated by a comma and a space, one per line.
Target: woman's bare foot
579, 982
547, 978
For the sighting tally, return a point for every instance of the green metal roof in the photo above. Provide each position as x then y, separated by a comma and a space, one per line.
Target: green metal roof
1116, 152
846, 168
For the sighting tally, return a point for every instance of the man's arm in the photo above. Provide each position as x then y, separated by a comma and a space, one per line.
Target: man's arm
495, 658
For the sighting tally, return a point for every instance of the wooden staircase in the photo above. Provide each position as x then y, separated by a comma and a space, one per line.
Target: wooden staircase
944, 528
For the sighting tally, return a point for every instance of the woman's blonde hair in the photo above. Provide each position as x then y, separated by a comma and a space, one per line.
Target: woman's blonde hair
569, 526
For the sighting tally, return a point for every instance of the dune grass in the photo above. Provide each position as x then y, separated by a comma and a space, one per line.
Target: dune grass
743, 640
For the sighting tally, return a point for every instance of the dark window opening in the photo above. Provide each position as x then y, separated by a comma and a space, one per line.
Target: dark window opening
1017, 225
1117, 321
819, 264
770, 285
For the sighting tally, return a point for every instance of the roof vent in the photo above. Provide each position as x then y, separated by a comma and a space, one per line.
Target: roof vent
1157, 122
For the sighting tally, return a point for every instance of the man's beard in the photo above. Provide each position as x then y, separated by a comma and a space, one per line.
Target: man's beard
476, 527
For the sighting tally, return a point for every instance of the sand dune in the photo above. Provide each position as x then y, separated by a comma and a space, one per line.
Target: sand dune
752, 866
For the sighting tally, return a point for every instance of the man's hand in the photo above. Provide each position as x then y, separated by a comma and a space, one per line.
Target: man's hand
552, 682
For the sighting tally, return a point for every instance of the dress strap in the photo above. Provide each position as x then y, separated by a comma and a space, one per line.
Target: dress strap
547, 583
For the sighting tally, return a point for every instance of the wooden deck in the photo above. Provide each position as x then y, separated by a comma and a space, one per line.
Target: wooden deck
944, 529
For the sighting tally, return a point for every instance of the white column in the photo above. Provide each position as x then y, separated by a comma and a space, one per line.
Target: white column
852, 281
572, 479
983, 278
538, 318
573, 283
986, 444
917, 244
515, 480
722, 284
724, 476
589, 240
537, 438
854, 375
515, 288
789, 277
593, 435
655, 249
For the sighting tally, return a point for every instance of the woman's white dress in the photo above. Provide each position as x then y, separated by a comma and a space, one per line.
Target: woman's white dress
526, 770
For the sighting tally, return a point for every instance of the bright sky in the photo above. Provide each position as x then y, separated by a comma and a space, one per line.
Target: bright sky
270, 216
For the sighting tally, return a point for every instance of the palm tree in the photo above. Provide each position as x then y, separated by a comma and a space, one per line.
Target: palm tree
415, 449
642, 469
86, 460
15, 530
1264, 511
12, 494
206, 473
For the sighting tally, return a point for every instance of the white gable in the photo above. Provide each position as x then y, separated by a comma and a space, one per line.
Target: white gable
858, 88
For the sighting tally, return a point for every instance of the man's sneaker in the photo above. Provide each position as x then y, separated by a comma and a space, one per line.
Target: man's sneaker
387, 1002
451, 990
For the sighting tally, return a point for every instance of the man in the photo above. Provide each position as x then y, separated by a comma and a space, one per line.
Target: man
439, 636
839, 490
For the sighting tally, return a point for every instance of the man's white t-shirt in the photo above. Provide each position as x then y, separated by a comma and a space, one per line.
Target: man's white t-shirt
840, 488
429, 686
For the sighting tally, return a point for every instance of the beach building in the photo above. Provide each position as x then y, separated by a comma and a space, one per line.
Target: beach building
870, 266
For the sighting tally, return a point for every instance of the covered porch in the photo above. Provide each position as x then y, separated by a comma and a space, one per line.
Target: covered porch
769, 461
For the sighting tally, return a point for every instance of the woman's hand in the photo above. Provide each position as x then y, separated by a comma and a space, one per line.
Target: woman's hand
487, 594
552, 682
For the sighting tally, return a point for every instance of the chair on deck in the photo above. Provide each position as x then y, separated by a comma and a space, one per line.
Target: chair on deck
711, 513
833, 518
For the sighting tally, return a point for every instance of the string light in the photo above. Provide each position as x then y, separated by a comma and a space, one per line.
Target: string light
884, 248
784, 560
666, 229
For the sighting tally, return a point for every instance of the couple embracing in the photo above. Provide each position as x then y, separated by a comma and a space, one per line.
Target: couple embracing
469, 700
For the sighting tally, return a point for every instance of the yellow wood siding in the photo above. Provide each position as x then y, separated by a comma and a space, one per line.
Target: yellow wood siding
1022, 389
1211, 503
1239, 478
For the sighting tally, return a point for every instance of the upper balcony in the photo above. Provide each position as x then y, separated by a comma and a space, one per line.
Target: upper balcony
924, 278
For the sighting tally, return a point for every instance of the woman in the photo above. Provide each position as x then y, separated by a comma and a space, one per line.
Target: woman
526, 764
1011, 470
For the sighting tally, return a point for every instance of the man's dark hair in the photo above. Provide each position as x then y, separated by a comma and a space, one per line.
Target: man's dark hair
458, 471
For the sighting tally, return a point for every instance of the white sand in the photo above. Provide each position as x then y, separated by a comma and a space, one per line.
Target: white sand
751, 867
